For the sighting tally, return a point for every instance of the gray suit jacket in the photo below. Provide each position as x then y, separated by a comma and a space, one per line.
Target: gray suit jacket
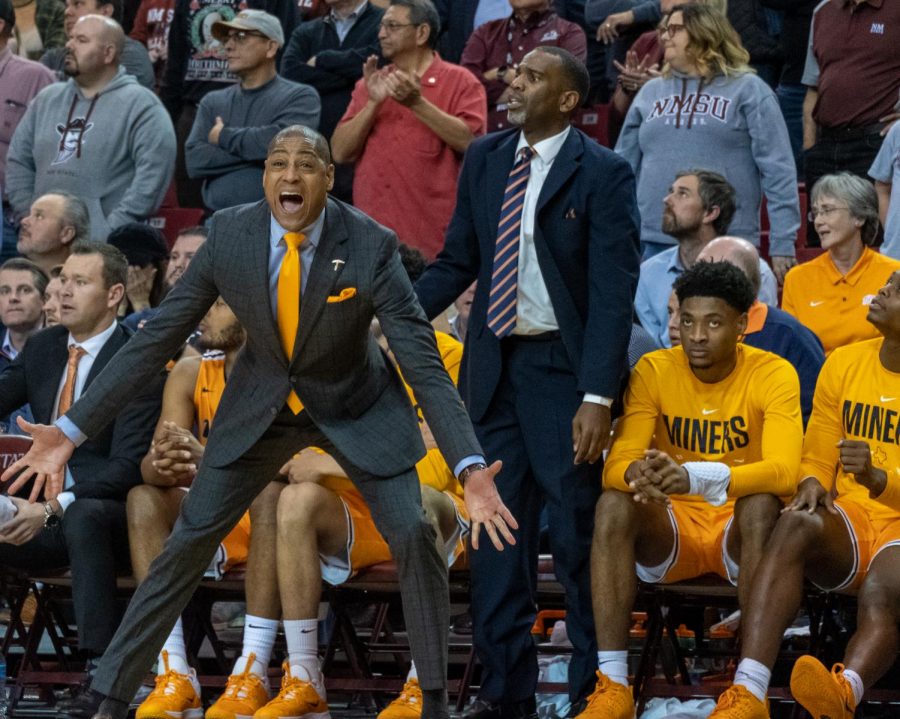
347, 385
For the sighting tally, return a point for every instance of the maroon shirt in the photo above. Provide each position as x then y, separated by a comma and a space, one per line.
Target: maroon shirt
857, 51
506, 42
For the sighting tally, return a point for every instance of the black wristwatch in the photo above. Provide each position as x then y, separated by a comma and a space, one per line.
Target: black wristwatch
51, 518
474, 467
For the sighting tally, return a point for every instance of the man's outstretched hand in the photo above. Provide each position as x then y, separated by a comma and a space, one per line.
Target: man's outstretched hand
486, 508
45, 461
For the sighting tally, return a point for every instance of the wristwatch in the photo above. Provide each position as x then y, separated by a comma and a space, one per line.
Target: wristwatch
51, 518
474, 467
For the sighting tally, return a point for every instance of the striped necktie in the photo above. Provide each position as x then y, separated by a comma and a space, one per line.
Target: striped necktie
501, 314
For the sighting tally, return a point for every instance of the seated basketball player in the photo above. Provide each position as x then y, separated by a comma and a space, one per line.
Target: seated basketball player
851, 543
190, 400
703, 497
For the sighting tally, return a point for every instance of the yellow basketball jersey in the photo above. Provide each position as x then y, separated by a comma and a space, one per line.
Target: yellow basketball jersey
749, 421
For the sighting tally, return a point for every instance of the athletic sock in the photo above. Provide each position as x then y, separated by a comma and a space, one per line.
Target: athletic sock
754, 677
259, 639
856, 683
302, 636
614, 665
413, 674
176, 650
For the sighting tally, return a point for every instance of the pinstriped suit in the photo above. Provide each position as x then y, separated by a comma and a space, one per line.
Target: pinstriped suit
356, 407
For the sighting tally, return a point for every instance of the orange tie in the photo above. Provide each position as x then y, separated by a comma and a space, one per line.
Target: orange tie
289, 303
68, 390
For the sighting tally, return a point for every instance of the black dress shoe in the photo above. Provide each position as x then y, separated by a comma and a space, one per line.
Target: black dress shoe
82, 705
481, 709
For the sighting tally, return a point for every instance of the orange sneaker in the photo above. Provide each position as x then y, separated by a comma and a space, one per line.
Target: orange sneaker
174, 697
737, 702
824, 694
244, 695
298, 699
406, 706
610, 700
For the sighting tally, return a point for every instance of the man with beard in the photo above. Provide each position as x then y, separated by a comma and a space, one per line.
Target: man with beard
190, 400
134, 59
99, 136
698, 208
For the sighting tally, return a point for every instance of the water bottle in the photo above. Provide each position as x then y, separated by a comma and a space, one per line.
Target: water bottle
4, 689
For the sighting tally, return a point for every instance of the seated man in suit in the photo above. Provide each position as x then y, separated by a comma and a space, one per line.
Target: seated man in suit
703, 496
768, 327
22, 287
84, 528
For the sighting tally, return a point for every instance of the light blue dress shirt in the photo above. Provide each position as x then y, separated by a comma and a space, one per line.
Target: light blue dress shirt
659, 273
277, 250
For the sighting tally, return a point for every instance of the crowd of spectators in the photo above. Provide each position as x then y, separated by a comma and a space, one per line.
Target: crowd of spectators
729, 112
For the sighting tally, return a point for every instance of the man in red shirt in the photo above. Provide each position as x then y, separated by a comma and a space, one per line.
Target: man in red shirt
407, 127
497, 47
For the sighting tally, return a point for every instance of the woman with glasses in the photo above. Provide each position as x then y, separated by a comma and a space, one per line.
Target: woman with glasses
709, 110
831, 294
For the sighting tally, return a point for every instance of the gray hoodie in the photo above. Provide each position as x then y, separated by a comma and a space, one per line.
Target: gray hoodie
731, 125
116, 151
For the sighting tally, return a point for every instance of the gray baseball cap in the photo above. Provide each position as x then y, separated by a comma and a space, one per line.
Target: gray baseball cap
253, 20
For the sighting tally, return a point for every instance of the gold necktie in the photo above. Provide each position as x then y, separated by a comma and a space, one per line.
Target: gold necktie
289, 303
68, 390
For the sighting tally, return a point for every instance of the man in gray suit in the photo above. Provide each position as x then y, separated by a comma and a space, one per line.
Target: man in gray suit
354, 405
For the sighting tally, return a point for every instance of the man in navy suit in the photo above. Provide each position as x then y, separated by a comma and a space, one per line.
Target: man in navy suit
546, 221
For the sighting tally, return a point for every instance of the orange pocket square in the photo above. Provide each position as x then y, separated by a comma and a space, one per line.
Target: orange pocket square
346, 294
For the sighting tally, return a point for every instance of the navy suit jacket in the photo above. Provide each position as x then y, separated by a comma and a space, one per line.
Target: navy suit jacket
784, 336
586, 235
109, 464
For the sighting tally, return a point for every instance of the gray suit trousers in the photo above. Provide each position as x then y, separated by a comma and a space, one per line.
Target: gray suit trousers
217, 500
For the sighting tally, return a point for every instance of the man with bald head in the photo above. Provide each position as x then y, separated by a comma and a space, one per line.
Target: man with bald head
768, 327
323, 383
133, 56
100, 136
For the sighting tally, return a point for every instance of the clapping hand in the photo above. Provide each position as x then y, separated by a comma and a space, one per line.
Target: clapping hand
45, 462
609, 28
486, 509
634, 73
375, 80
404, 87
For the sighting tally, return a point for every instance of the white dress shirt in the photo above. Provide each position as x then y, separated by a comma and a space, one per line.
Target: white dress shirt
534, 311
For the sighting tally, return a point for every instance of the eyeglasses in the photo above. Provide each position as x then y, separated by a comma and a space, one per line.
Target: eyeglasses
671, 29
241, 36
389, 26
824, 211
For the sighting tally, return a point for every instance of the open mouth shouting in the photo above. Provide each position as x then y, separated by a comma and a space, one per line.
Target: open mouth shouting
291, 202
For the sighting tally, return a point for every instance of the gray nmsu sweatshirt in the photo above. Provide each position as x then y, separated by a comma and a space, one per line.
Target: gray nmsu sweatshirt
731, 125
116, 151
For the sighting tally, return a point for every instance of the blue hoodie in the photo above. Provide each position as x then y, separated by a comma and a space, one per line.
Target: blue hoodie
731, 125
